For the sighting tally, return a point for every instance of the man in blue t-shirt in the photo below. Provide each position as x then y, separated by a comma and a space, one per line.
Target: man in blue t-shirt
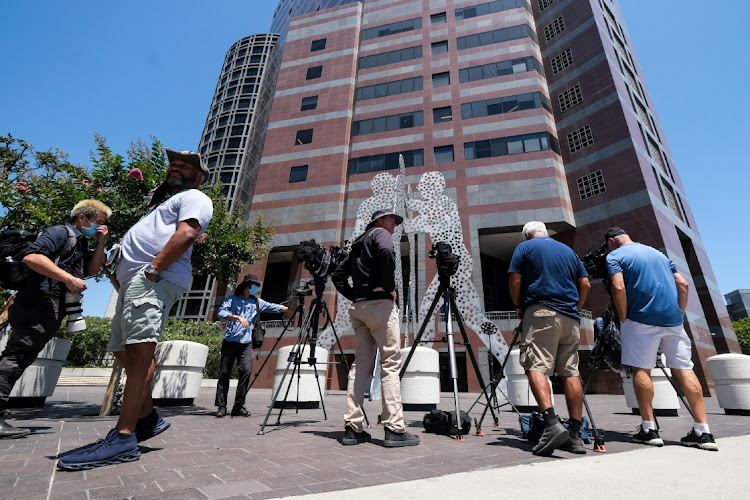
548, 285
651, 297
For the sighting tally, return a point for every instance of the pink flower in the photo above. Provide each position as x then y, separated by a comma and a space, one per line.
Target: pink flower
22, 186
135, 174
98, 190
201, 239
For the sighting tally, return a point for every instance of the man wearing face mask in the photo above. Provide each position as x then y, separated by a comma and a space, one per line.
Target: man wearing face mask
153, 271
58, 260
239, 310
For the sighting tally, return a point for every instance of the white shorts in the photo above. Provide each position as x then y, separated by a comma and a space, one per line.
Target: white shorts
640, 344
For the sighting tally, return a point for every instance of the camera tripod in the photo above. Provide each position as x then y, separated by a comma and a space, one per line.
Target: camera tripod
306, 335
447, 293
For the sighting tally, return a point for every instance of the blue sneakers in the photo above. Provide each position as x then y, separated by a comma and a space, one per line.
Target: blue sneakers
150, 426
114, 449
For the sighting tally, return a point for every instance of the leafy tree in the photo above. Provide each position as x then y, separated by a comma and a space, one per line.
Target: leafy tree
38, 189
742, 330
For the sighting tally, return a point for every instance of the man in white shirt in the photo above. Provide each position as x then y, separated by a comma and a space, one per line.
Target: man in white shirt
154, 271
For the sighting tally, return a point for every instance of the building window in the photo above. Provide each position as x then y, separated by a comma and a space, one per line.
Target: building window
543, 4
442, 115
579, 139
388, 123
438, 18
502, 68
495, 36
591, 185
561, 61
319, 44
388, 161
500, 105
394, 56
388, 88
304, 137
392, 29
298, 174
444, 154
554, 28
314, 72
489, 8
438, 48
441, 79
570, 98
308, 103
504, 146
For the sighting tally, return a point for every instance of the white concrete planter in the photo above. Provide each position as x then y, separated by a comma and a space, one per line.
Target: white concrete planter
39, 380
303, 392
179, 371
665, 402
420, 386
731, 376
519, 390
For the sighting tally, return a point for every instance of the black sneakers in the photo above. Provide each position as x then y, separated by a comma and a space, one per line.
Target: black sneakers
650, 438
705, 441
574, 444
240, 411
554, 436
150, 426
222, 412
7, 430
352, 437
399, 439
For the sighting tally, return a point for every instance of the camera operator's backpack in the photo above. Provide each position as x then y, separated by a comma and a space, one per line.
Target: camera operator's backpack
444, 423
14, 245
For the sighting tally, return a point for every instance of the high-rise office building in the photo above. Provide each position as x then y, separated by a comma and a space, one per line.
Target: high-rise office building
232, 140
531, 111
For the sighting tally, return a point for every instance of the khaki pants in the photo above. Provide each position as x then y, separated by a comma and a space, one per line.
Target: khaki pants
375, 323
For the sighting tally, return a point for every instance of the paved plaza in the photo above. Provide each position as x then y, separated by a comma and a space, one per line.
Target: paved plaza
202, 457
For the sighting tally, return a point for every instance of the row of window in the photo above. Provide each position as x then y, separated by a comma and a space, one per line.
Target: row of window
517, 144
388, 161
502, 68
392, 28
391, 57
388, 88
495, 36
489, 8
388, 123
500, 105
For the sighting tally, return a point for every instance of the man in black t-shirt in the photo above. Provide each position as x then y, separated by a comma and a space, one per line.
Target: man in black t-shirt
371, 265
58, 265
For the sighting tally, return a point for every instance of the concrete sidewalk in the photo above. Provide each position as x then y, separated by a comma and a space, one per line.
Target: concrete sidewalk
203, 457
670, 472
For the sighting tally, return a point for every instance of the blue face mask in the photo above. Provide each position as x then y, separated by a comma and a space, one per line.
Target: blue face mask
253, 289
89, 232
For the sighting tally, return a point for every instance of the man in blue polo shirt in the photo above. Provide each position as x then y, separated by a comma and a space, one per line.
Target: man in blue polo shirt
651, 297
548, 285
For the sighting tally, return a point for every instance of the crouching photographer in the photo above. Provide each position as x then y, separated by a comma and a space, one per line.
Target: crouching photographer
375, 319
58, 261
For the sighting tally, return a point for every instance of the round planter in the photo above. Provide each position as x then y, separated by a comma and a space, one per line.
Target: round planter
731, 376
519, 390
420, 385
304, 390
179, 371
665, 402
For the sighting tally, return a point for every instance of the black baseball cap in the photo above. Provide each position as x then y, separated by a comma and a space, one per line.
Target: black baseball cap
613, 232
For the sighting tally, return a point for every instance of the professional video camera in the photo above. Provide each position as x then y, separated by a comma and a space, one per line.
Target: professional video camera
318, 260
595, 263
447, 261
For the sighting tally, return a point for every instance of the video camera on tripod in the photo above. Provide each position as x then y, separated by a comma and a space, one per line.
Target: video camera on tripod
447, 261
318, 260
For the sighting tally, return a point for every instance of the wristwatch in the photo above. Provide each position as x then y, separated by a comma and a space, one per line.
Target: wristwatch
150, 269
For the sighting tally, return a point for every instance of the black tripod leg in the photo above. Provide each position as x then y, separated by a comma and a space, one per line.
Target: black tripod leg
676, 389
598, 433
470, 351
297, 313
276, 395
418, 338
501, 375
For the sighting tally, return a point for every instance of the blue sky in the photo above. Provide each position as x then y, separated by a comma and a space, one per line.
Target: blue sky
130, 70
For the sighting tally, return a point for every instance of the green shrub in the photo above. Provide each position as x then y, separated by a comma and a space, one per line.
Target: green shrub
742, 330
89, 345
